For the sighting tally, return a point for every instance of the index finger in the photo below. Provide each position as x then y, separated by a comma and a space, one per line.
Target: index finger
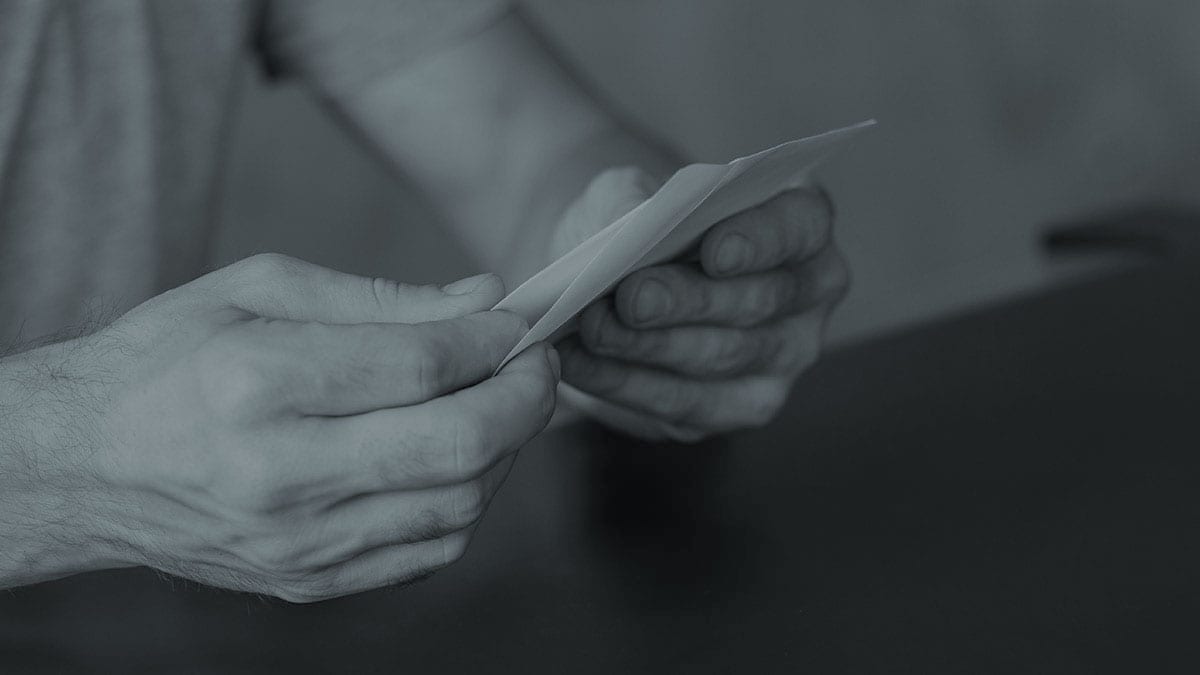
345, 369
791, 226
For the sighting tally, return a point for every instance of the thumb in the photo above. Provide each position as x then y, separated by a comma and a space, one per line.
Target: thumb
281, 287
610, 195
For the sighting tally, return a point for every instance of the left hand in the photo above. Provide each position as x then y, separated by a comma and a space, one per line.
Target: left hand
684, 350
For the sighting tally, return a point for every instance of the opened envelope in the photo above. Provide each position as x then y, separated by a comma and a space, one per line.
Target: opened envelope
697, 197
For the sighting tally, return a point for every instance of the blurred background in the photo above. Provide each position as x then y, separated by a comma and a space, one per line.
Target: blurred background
997, 119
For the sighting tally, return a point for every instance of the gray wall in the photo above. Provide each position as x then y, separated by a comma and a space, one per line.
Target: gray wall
995, 118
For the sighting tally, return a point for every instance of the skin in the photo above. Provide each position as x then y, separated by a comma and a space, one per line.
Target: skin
285, 429
273, 427
515, 149
685, 350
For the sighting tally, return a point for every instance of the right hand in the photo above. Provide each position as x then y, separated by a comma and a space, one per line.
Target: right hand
282, 428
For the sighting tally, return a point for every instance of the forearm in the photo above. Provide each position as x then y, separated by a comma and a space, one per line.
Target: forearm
502, 138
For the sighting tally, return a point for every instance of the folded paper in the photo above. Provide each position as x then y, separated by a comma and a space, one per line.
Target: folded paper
661, 228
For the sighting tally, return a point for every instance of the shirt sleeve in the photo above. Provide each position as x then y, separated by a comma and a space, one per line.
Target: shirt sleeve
339, 46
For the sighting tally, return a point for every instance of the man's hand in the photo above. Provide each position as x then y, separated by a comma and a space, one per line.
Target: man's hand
687, 349
273, 427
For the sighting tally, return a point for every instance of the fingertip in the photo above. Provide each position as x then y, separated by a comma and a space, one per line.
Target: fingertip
533, 357
492, 288
536, 372
512, 326
792, 225
644, 299
484, 290
726, 255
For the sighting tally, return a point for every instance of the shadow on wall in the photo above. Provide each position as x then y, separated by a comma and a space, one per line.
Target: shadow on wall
996, 118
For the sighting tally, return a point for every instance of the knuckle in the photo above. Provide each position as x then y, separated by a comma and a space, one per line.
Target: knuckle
234, 376
469, 503
386, 293
454, 547
426, 366
268, 266
428, 524
469, 447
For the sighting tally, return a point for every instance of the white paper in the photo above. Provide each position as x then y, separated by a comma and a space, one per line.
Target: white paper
697, 197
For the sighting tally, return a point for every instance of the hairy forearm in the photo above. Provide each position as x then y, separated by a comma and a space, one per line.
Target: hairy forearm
45, 508
501, 136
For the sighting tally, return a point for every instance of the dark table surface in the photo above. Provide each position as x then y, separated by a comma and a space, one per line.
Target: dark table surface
1011, 490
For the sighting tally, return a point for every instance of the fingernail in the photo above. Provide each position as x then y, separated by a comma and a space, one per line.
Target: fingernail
555, 361
653, 300
734, 253
468, 285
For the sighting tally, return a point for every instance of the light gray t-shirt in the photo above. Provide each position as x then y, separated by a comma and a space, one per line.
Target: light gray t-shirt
113, 119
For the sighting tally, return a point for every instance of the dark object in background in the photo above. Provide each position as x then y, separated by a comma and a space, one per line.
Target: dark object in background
1009, 491
1151, 230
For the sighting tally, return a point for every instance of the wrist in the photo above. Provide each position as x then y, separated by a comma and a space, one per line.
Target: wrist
48, 507
46, 537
